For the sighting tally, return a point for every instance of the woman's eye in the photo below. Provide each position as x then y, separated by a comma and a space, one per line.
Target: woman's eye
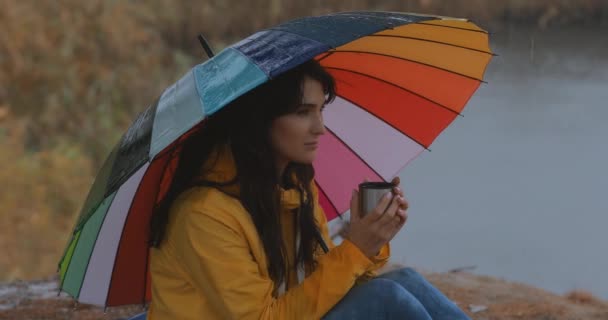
307, 110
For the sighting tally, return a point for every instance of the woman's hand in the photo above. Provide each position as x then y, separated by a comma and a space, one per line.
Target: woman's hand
373, 231
397, 191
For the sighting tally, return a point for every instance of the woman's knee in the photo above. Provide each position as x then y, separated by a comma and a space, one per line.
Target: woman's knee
380, 299
382, 288
406, 274
407, 271
389, 291
398, 300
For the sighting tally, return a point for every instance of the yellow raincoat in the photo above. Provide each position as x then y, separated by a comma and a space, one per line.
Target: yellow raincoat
212, 263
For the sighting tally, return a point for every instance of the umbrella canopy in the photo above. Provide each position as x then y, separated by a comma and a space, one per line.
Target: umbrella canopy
401, 79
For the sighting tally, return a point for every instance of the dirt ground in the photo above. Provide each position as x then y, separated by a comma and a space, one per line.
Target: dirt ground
507, 300
482, 297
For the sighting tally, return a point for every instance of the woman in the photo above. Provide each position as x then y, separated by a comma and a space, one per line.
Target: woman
241, 235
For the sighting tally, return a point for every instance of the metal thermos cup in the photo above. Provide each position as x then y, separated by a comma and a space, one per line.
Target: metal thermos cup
370, 193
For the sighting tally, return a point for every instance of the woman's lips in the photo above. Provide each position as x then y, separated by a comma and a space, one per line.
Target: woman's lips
313, 145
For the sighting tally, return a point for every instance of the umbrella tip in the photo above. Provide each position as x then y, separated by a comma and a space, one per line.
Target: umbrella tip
206, 46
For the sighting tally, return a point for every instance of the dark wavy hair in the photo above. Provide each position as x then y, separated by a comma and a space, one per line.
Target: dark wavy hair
244, 125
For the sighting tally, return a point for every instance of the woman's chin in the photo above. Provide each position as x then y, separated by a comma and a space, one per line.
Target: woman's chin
305, 160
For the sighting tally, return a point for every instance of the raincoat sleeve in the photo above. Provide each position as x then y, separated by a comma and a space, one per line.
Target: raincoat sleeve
218, 257
378, 261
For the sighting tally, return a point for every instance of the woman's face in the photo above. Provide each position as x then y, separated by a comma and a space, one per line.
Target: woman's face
295, 136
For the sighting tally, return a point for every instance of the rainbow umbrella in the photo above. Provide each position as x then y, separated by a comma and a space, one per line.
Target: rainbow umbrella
401, 79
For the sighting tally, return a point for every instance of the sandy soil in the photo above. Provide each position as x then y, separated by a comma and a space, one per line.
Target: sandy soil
481, 297
507, 300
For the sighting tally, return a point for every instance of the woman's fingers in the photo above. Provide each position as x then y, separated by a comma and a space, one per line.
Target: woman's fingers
391, 222
402, 216
354, 206
397, 191
403, 204
396, 181
379, 211
397, 223
389, 214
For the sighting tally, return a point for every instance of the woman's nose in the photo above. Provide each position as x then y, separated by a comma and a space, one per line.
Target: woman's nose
319, 125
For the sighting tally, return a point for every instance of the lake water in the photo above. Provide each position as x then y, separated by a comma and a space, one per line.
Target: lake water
518, 187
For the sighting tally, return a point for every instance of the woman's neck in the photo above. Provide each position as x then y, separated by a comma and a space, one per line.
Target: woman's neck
281, 166
284, 178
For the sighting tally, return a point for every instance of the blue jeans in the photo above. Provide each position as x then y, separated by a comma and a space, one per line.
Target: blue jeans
141, 316
400, 294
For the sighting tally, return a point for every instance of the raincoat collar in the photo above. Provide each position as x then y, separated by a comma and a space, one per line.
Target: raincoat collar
224, 170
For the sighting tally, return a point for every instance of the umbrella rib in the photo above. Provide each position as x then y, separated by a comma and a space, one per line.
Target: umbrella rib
328, 30
410, 60
67, 269
388, 124
180, 140
174, 145
353, 151
432, 41
124, 177
451, 27
397, 86
69, 263
94, 243
160, 178
325, 55
146, 276
122, 234
314, 24
328, 199
366, 14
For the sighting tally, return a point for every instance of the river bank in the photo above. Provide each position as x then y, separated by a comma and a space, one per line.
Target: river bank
481, 297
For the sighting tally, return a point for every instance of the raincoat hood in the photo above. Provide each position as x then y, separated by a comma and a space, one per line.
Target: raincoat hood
221, 168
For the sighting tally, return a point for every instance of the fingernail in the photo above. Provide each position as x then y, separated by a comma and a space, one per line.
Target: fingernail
388, 195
